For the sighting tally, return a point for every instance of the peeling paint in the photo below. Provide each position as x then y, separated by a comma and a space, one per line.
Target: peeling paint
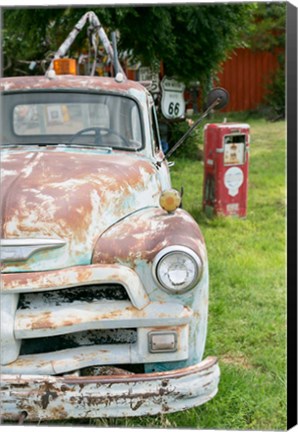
145, 233
74, 314
45, 398
52, 190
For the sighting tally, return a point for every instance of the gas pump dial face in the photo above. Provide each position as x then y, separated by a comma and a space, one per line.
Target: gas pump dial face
234, 150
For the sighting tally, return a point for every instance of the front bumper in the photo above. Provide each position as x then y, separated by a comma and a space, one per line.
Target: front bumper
42, 397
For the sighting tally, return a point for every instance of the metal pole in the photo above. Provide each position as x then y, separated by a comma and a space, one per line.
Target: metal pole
114, 43
69, 40
94, 21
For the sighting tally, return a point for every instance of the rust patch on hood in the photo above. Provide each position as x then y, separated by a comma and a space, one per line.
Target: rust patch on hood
72, 195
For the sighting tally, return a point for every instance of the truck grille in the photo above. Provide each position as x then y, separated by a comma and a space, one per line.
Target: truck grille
78, 339
89, 316
71, 296
85, 293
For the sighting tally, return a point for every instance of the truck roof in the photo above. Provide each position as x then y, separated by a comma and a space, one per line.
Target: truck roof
78, 82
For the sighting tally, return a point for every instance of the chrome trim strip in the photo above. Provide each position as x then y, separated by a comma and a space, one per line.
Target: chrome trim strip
77, 276
50, 320
22, 249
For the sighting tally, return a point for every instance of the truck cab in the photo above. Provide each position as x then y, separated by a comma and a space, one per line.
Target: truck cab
104, 298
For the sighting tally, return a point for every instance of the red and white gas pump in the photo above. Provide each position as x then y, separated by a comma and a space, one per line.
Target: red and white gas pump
226, 150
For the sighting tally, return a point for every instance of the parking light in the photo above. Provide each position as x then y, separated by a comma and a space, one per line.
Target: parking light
162, 341
170, 200
65, 66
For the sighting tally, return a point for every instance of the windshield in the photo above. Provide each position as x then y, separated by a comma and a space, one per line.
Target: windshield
71, 118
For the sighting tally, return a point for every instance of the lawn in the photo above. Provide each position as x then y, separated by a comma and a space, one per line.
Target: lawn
247, 312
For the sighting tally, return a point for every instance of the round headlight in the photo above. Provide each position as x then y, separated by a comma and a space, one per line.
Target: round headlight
177, 269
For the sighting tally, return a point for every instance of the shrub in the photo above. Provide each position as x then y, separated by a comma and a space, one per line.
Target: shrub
276, 96
192, 147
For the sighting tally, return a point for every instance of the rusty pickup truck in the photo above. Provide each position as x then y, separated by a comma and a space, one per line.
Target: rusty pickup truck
104, 296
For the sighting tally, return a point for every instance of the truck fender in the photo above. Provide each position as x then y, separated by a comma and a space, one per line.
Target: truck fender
143, 234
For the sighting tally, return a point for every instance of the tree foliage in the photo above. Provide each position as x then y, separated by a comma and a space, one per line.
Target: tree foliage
191, 40
267, 33
267, 29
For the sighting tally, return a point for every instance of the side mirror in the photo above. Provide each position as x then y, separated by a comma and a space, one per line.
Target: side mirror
217, 94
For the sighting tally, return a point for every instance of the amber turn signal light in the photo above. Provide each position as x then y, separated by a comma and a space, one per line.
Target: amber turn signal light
65, 66
170, 200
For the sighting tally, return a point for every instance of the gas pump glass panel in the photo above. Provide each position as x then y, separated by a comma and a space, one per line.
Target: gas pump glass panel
73, 118
234, 149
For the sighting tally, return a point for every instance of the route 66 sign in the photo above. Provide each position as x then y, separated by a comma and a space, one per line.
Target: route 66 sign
172, 99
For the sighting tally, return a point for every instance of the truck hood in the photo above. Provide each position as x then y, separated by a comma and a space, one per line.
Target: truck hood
72, 195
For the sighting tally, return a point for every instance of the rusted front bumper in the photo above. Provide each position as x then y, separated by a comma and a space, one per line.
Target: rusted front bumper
47, 398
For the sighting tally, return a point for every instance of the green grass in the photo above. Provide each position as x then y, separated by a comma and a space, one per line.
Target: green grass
247, 290
247, 311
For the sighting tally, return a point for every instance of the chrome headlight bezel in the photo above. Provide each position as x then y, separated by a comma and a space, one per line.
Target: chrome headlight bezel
184, 251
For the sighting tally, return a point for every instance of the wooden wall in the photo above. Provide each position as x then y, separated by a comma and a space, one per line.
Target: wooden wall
245, 76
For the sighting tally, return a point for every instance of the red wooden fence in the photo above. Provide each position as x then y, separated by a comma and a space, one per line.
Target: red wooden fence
245, 75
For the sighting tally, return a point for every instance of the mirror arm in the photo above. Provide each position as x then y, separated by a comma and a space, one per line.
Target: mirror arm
188, 132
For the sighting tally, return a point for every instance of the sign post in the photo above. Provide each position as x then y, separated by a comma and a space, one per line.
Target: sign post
172, 99
146, 74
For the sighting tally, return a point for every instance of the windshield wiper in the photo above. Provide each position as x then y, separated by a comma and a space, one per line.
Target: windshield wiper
101, 148
5, 145
79, 145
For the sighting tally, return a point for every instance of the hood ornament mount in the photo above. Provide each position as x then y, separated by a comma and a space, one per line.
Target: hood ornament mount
22, 249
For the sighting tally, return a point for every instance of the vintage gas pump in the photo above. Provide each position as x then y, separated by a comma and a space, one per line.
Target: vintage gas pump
226, 149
